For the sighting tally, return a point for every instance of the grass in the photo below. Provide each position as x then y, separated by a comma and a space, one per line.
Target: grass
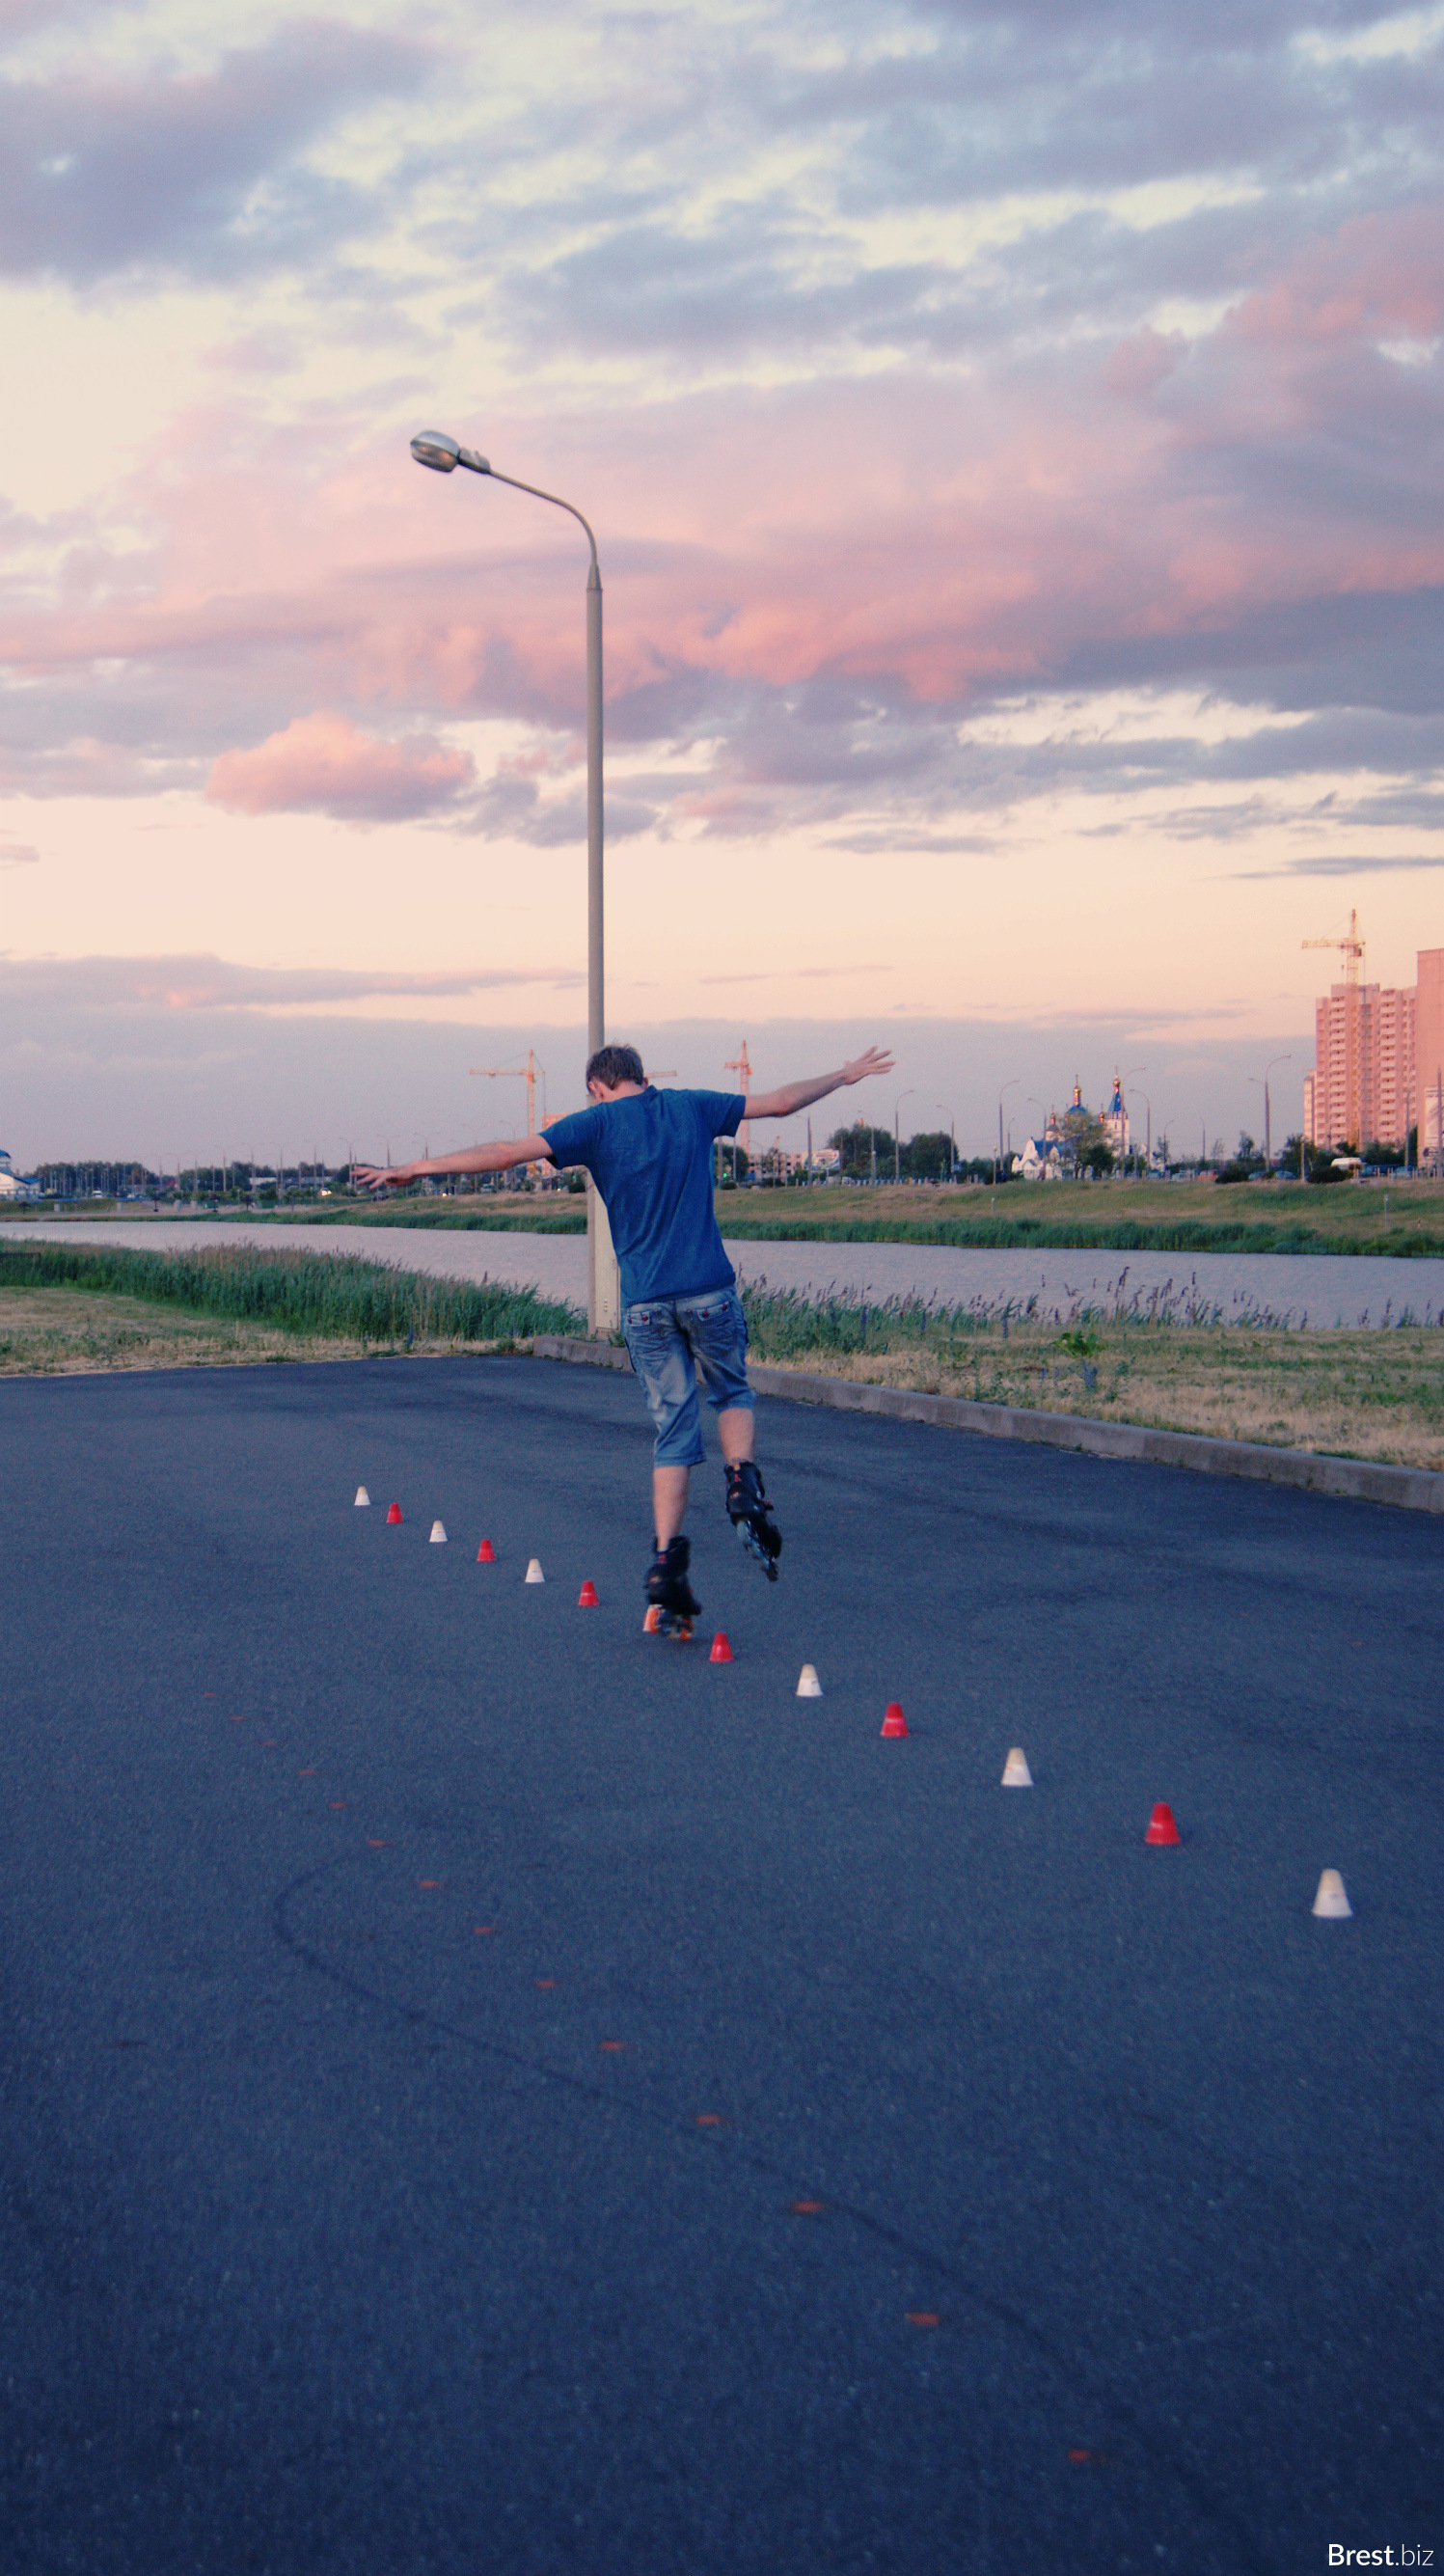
1123, 1216
1169, 1360
1401, 1218
350, 1306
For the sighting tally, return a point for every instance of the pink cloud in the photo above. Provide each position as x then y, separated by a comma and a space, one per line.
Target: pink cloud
324, 764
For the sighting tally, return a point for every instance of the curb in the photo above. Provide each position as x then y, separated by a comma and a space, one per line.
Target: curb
1359, 1480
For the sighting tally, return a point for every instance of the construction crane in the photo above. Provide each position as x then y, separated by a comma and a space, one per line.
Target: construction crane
1351, 949
518, 1073
739, 1065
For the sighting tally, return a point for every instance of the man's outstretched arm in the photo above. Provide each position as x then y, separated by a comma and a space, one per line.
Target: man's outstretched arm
473, 1158
801, 1095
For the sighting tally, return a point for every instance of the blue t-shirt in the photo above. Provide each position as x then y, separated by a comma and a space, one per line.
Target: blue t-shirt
650, 1155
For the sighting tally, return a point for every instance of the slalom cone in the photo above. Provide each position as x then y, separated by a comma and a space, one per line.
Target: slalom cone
1161, 1826
486, 1553
438, 1534
394, 1514
894, 1723
808, 1685
587, 1597
1332, 1899
534, 1573
721, 1651
1016, 1774
363, 1499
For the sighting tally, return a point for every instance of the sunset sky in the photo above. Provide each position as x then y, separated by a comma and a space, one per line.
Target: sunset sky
1012, 434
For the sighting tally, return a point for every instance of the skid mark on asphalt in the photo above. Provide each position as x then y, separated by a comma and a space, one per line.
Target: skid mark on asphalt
1097, 2395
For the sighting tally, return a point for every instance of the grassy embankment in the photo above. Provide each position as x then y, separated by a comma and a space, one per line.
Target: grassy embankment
1402, 1218
1172, 1363
65, 1308
1367, 1394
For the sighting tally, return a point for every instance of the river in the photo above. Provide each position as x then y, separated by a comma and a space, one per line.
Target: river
1304, 1289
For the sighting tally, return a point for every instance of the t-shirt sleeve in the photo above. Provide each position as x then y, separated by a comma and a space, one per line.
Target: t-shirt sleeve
720, 1111
572, 1140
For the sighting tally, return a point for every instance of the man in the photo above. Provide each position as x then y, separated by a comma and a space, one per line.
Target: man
650, 1155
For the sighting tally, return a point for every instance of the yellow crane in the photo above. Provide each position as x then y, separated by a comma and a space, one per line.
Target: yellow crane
519, 1073
1351, 948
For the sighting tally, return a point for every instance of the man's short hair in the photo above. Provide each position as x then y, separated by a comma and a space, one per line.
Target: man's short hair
611, 1065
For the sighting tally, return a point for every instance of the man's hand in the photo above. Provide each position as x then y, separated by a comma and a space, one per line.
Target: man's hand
371, 1176
876, 1060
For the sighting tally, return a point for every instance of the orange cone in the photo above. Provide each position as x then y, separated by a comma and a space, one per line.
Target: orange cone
894, 1723
486, 1553
395, 1512
587, 1597
1161, 1827
721, 1651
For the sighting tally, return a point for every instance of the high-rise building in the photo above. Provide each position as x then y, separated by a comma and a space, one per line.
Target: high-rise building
1379, 1062
1363, 1084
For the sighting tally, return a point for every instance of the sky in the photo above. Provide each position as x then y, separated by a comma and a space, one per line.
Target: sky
1012, 434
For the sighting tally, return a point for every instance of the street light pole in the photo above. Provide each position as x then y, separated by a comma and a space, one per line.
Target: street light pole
1010, 1085
896, 1147
1263, 1078
435, 448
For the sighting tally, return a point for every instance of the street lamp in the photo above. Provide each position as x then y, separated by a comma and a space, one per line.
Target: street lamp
1148, 1149
1256, 1079
909, 1094
1010, 1085
443, 454
1123, 1102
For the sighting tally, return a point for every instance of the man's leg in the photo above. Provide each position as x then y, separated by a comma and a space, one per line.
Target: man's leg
737, 1431
669, 1501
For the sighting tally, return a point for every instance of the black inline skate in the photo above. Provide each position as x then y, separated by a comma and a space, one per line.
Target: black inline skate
671, 1603
750, 1513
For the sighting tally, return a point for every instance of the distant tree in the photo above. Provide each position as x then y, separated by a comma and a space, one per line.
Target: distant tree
855, 1148
1089, 1141
1388, 1157
928, 1157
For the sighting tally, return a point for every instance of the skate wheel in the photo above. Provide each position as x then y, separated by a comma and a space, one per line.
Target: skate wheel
652, 1624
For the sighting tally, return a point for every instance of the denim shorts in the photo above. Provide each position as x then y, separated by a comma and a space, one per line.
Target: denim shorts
674, 1340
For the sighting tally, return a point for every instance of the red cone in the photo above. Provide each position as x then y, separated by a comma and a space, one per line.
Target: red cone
395, 1512
587, 1597
721, 1651
486, 1553
1161, 1827
894, 1723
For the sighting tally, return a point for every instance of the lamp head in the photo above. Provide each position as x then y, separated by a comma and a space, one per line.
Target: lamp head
434, 447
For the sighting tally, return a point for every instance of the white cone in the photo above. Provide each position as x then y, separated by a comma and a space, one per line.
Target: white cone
534, 1573
1332, 1898
438, 1534
1016, 1774
361, 1497
808, 1685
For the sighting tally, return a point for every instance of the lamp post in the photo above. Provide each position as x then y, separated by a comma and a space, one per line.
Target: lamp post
1263, 1078
1148, 1149
443, 454
1010, 1085
896, 1146
1124, 1080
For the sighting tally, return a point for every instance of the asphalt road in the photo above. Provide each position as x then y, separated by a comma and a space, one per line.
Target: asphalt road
486, 2090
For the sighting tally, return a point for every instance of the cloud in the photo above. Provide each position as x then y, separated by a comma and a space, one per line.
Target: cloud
198, 170
1339, 863
191, 984
322, 764
18, 854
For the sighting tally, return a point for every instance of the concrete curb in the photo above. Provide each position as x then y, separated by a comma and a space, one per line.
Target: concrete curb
1359, 1480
